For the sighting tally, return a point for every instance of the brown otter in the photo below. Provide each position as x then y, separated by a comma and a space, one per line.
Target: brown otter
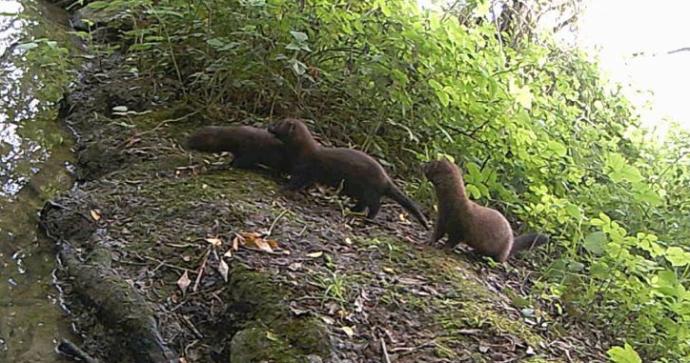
249, 146
484, 229
362, 177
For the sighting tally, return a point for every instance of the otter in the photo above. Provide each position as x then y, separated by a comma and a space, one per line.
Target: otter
361, 177
484, 229
249, 146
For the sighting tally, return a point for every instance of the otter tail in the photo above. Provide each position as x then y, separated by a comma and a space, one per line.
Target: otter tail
412, 207
527, 241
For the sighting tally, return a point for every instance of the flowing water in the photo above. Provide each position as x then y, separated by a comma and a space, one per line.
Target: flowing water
34, 158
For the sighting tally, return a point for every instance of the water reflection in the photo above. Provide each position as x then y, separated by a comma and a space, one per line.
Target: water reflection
33, 153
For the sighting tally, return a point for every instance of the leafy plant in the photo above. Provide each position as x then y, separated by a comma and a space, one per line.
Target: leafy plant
538, 131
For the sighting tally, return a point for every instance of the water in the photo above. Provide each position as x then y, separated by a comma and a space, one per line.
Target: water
34, 155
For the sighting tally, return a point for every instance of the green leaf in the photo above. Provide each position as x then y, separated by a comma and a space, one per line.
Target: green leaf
473, 191
677, 256
27, 46
595, 242
573, 211
624, 354
299, 36
557, 148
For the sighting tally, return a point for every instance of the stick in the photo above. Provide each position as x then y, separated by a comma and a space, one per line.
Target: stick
71, 350
386, 358
201, 270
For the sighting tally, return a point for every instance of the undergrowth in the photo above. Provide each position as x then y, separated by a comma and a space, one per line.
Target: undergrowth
538, 132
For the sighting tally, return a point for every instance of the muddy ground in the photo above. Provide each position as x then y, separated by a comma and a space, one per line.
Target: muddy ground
151, 233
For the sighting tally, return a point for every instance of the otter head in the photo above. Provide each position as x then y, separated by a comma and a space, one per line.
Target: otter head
284, 129
440, 170
294, 133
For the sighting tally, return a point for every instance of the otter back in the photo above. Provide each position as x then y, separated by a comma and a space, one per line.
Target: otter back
249, 146
360, 175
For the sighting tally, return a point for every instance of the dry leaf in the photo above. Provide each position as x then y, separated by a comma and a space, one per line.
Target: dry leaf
389, 270
348, 241
236, 242
273, 243
96, 215
216, 242
348, 330
223, 269
328, 320
254, 240
315, 254
228, 253
183, 282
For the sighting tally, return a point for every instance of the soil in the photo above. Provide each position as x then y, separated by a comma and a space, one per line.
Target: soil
232, 270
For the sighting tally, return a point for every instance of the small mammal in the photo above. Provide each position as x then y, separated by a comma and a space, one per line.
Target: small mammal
362, 177
249, 146
484, 229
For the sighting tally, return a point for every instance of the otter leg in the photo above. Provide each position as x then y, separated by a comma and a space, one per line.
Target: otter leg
439, 229
298, 181
453, 240
243, 162
359, 207
374, 204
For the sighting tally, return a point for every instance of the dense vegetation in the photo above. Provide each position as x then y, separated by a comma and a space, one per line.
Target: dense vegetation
539, 134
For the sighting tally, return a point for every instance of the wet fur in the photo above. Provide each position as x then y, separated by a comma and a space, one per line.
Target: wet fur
484, 229
361, 177
250, 146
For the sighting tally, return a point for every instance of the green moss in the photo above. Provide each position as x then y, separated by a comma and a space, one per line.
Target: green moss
466, 305
258, 307
258, 344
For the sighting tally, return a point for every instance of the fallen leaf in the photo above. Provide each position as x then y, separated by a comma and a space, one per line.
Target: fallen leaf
183, 282
273, 243
96, 215
328, 320
216, 242
272, 337
228, 253
389, 270
315, 254
223, 269
260, 244
348, 330
298, 311
236, 243
295, 266
255, 240
348, 240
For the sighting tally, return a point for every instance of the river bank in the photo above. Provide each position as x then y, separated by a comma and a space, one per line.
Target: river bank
171, 254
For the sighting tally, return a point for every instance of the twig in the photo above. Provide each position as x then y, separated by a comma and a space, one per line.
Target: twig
201, 270
386, 358
270, 229
191, 326
71, 350
168, 121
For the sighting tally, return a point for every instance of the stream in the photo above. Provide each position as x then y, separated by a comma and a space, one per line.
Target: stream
35, 158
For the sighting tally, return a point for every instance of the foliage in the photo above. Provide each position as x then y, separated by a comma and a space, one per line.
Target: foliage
535, 127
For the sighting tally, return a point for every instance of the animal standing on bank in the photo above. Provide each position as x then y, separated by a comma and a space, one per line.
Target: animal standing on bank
250, 146
362, 177
484, 229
